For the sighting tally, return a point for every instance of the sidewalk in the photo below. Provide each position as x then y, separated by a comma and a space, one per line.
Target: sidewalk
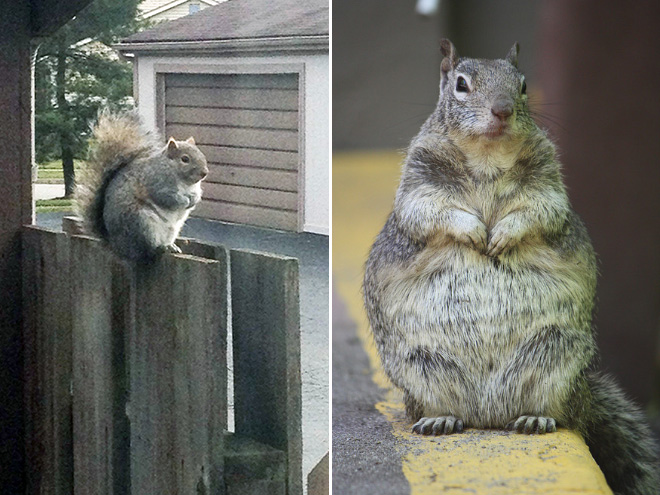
48, 191
312, 253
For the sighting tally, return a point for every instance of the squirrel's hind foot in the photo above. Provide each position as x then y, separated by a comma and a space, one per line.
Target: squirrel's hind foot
173, 248
443, 425
533, 424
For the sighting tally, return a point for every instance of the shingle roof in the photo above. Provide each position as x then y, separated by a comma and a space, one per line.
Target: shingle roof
242, 20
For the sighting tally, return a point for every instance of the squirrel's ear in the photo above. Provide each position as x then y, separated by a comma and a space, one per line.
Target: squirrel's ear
512, 56
448, 63
190, 140
451, 56
172, 147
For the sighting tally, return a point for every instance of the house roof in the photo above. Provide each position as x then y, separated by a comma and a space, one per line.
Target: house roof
150, 8
240, 24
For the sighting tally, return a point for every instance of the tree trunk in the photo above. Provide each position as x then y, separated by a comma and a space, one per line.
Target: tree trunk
63, 109
69, 173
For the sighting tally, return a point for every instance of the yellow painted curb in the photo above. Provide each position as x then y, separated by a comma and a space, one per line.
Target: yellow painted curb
477, 462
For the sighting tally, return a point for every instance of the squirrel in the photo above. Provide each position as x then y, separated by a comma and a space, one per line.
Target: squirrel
134, 193
480, 287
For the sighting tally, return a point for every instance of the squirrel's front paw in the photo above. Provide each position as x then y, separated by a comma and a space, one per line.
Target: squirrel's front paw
471, 231
533, 424
443, 425
503, 237
193, 200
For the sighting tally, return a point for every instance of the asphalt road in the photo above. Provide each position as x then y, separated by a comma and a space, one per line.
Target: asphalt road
364, 458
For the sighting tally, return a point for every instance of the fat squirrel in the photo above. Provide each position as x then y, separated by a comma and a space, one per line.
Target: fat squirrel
480, 287
134, 193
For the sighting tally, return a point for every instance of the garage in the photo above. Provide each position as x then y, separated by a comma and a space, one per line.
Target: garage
249, 80
247, 125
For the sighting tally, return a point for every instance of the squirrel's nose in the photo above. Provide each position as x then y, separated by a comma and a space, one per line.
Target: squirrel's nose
502, 108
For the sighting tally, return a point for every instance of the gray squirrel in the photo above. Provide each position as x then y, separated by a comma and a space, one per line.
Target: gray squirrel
480, 287
134, 193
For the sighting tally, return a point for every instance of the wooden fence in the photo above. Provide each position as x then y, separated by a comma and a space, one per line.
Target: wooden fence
126, 370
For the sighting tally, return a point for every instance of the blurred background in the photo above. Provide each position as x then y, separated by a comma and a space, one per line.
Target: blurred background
592, 68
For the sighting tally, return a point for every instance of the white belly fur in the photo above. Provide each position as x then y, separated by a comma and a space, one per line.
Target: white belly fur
166, 224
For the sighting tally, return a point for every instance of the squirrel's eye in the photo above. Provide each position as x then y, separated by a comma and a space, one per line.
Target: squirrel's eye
523, 89
461, 85
185, 159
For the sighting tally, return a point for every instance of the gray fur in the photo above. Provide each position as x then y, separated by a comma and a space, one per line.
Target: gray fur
480, 288
136, 194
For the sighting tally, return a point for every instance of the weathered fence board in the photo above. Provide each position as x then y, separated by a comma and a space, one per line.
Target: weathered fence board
252, 468
266, 344
101, 316
318, 480
178, 377
266, 348
47, 358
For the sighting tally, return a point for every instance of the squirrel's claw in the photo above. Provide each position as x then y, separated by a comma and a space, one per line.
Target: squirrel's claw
533, 424
443, 425
498, 245
474, 240
173, 248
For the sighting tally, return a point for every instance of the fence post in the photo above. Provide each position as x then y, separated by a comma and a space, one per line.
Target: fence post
266, 345
318, 479
101, 307
47, 358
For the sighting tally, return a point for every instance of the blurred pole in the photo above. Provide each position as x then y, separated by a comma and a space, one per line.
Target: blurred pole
600, 78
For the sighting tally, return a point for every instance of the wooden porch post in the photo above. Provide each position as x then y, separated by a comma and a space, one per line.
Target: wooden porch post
15, 210
19, 21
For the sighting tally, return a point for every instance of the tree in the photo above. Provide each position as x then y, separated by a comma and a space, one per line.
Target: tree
76, 74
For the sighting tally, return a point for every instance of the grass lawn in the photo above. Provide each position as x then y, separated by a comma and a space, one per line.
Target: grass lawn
53, 169
56, 204
49, 171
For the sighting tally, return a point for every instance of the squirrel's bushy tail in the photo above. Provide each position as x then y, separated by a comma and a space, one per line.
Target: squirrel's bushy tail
620, 440
118, 139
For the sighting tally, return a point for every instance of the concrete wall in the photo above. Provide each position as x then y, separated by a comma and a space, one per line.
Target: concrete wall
386, 61
385, 73
316, 108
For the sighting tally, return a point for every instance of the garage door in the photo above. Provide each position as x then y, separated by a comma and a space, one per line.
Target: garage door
247, 126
